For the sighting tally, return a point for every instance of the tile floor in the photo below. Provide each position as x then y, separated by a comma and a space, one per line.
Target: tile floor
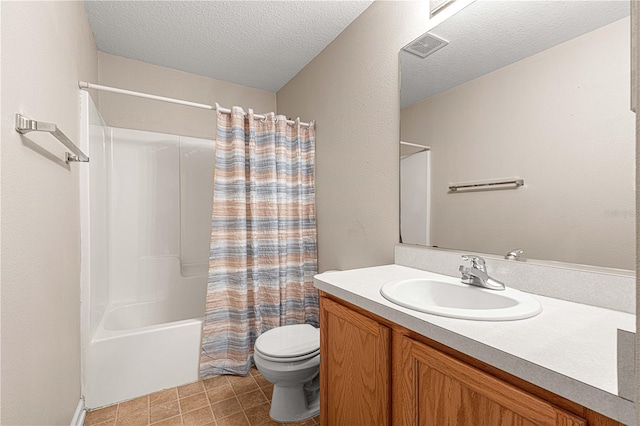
217, 401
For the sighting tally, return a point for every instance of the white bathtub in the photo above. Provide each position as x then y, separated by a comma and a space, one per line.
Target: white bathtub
135, 352
144, 347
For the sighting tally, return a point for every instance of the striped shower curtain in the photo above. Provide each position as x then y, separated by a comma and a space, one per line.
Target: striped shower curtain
263, 239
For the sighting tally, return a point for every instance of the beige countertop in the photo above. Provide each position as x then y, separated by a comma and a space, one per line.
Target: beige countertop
569, 348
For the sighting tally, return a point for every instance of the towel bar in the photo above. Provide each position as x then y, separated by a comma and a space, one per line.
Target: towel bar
498, 182
25, 125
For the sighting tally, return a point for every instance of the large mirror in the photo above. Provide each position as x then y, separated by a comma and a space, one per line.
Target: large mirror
533, 94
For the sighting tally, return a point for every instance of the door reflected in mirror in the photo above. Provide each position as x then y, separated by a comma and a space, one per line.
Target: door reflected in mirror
530, 90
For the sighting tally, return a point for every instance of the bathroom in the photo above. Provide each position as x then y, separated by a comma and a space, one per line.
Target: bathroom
48, 47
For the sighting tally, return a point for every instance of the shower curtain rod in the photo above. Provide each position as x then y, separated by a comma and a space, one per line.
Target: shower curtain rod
87, 85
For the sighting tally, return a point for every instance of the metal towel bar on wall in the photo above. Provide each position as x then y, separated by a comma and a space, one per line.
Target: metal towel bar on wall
25, 125
496, 184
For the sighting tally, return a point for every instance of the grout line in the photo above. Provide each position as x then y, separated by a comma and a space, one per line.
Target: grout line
236, 396
244, 413
264, 394
180, 407
206, 394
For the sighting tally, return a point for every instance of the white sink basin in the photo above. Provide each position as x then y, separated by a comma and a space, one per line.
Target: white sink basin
450, 298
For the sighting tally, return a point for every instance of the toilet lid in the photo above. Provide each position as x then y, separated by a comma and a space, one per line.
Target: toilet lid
289, 341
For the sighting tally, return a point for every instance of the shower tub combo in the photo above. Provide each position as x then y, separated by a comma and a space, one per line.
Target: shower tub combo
146, 214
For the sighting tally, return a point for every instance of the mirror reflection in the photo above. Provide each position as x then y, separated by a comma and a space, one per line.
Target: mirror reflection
530, 91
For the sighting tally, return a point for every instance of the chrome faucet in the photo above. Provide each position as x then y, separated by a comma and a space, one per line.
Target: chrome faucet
477, 274
514, 254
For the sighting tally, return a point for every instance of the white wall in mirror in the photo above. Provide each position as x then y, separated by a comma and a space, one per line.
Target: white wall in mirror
560, 119
415, 198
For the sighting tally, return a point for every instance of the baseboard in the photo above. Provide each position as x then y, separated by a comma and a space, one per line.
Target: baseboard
79, 415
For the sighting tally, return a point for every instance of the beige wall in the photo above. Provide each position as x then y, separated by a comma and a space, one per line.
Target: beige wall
144, 114
560, 120
635, 95
46, 48
351, 90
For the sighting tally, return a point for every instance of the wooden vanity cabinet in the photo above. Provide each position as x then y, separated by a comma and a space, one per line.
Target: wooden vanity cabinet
355, 367
437, 389
374, 372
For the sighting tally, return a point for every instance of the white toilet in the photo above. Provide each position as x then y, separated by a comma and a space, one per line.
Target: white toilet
289, 357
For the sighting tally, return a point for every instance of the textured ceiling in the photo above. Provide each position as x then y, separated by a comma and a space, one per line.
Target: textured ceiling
260, 44
488, 35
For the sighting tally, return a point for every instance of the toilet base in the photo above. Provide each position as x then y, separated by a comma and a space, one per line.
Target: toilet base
290, 404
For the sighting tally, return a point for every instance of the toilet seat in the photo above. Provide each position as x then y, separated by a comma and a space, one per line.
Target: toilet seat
292, 359
289, 343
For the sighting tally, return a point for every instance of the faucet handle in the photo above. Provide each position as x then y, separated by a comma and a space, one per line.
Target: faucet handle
476, 261
514, 254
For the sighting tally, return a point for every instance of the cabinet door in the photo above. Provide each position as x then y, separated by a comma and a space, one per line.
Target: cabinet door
354, 368
438, 390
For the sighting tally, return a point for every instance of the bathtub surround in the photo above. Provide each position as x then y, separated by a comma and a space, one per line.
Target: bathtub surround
145, 200
46, 48
263, 238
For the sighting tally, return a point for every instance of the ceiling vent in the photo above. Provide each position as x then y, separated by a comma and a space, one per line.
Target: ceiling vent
425, 45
